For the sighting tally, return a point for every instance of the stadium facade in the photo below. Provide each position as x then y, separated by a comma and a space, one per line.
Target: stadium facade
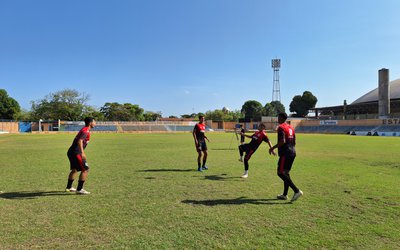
381, 102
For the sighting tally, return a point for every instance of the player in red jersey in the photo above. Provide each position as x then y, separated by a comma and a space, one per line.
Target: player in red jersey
200, 143
287, 153
256, 139
77, 157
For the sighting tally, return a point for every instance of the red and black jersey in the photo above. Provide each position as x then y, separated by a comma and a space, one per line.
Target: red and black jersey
286, 133
257, 138
84, 135
199, 129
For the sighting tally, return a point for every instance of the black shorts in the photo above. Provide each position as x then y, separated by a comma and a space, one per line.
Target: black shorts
76, 162
248, 150
202, 146
285, 163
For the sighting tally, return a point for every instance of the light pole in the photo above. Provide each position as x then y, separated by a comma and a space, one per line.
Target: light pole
276, 91
40, 125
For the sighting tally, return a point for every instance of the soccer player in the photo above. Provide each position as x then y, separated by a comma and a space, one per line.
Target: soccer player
242, 131
256, 139
287, 154
77, 157
200, 143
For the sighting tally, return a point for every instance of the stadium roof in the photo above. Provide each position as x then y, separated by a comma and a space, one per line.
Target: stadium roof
372, 96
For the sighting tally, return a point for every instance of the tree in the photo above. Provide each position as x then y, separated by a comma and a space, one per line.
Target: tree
9, 107
273, 108
67, 104
236, 115
223, 115
252, 109
122, 112
216, 115
186, 116
24, 115
193, 115
302, 104
269, 110
152, 116
95, 113
278, 107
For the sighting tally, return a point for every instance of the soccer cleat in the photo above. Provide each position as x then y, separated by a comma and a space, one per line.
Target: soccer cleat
244, 176
240, 159
297, 195
204, 167
70, 190
199, 169
82, 191
282, 197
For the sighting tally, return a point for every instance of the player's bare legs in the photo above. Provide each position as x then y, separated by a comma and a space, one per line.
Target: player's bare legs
72, 174
199, 160
205, 154
82, 179
71, 178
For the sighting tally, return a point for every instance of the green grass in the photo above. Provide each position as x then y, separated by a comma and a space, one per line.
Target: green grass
146, 194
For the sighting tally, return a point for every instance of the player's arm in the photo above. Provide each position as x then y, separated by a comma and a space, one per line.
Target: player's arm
80, 145
195, 137
271, 151
248, 136
281, 141
205, 137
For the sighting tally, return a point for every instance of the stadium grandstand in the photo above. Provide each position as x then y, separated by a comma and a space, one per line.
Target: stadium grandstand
101, 126
365, 107
375, 113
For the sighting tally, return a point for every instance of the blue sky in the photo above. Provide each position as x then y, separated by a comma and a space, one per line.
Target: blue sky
183, 56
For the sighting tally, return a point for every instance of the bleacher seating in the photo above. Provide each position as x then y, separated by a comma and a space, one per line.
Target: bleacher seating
335, 129
179, 128
182, 128
105, 128
132, 128
388, 128
72, 128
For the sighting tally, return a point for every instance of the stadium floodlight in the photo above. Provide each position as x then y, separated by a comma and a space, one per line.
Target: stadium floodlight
276, 63
276, 89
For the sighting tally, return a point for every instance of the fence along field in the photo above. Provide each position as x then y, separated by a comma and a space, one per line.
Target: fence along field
147, 194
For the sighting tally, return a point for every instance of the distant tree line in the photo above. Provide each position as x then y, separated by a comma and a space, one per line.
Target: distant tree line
9, 107
70, 105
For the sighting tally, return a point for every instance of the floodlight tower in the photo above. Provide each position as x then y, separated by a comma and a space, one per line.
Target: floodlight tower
276, 89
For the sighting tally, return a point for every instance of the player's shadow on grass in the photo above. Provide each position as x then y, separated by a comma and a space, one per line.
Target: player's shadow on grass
30, 195
221, 177
224, 149
236, 201
167, 170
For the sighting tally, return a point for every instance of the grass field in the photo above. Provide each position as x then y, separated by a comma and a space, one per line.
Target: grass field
146, 194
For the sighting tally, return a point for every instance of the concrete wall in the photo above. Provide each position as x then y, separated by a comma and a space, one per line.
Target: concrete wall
11, 127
